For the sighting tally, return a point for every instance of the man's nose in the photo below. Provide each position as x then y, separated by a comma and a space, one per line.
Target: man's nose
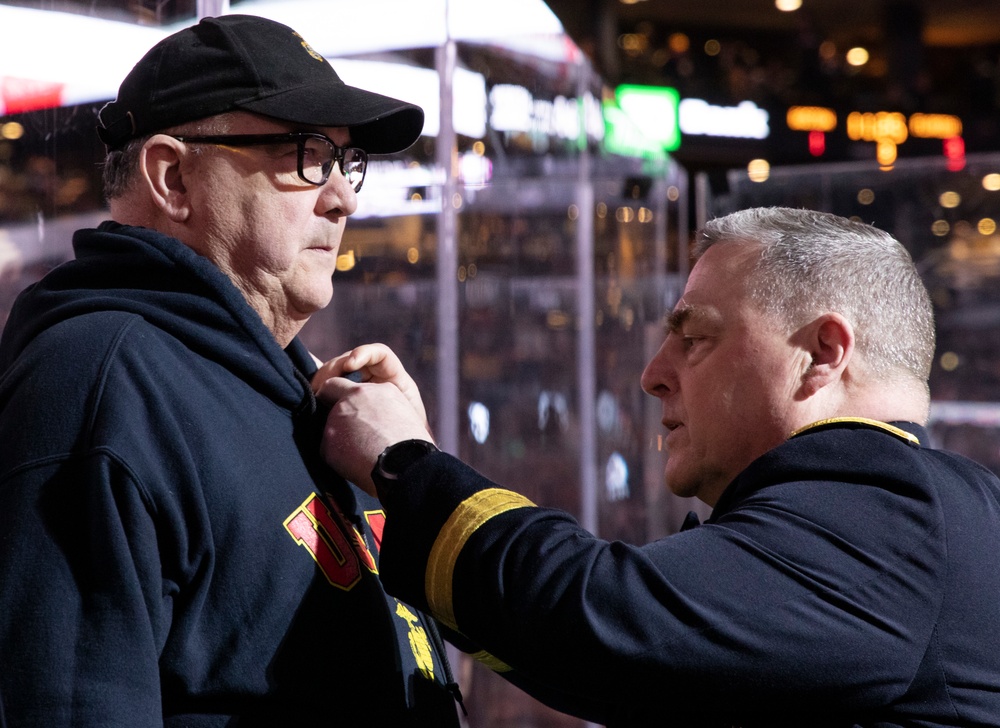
337, 196
659, 378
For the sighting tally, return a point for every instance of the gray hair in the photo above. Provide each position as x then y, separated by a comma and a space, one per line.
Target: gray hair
122, 165
815, 262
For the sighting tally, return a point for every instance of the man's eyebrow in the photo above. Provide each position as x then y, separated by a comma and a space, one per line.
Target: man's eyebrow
686, 313
677, 318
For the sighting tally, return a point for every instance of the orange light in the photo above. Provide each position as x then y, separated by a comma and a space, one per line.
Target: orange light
758, 170
885, 152
679, 43
877, 126
811, 118
935, 126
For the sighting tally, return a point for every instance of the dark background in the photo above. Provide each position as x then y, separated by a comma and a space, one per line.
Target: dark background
930, 56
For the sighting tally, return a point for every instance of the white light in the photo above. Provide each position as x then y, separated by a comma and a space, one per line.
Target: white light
857, 56
514, 109
607, 411
88, 56
616, 477
475, 171
11, 258
420, 86
404, 23
474, 19
746, 121
388, 185
479, 421
400, 23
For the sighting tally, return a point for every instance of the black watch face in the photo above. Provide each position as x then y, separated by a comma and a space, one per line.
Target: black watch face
400, 456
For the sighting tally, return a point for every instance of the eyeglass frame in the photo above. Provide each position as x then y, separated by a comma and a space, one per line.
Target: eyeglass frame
299, 138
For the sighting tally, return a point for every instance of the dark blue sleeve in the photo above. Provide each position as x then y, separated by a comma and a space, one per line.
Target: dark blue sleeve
768, 606
82, 606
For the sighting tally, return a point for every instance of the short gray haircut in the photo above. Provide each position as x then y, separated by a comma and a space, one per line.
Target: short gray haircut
121, 167
815, 262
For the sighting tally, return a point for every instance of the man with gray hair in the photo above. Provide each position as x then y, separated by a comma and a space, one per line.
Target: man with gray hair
848, 574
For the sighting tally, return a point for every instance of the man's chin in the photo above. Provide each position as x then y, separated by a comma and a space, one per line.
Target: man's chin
314, 299
680, 483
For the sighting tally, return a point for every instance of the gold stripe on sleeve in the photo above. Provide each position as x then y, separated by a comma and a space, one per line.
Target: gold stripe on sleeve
471, 513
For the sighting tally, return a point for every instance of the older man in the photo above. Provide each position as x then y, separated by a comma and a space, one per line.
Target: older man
173, 550
848, 573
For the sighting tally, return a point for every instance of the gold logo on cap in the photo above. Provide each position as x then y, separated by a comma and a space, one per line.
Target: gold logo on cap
309, 49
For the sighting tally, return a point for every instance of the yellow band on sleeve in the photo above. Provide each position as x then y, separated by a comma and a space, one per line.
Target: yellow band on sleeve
471, 513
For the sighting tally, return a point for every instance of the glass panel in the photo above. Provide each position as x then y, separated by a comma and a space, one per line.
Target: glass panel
50, 156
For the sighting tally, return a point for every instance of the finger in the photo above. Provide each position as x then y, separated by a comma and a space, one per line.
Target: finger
374, 361
377, 360
333, 388
333, 368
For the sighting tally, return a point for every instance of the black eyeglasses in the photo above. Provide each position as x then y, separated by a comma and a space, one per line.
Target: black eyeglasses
315, 151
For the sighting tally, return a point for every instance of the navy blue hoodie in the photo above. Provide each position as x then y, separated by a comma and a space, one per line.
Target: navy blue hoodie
173, 550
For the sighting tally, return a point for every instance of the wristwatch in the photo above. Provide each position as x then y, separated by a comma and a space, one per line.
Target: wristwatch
397, 458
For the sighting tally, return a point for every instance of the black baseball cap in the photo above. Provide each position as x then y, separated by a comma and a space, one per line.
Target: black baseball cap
249, 63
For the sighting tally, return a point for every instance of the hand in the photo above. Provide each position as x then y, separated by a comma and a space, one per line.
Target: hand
377, 363
367, 417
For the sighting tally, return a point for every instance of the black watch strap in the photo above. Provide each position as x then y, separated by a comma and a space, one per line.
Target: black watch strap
396, 458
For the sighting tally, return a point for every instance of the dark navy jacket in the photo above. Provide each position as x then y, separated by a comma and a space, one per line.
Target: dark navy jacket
848, 577
173, 552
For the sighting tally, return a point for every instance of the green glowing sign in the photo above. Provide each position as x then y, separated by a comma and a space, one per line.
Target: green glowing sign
651, 112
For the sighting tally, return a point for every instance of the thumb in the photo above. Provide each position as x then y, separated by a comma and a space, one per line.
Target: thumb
334, 388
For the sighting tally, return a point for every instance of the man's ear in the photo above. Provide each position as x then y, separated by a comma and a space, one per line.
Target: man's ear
160, 167
830, 341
